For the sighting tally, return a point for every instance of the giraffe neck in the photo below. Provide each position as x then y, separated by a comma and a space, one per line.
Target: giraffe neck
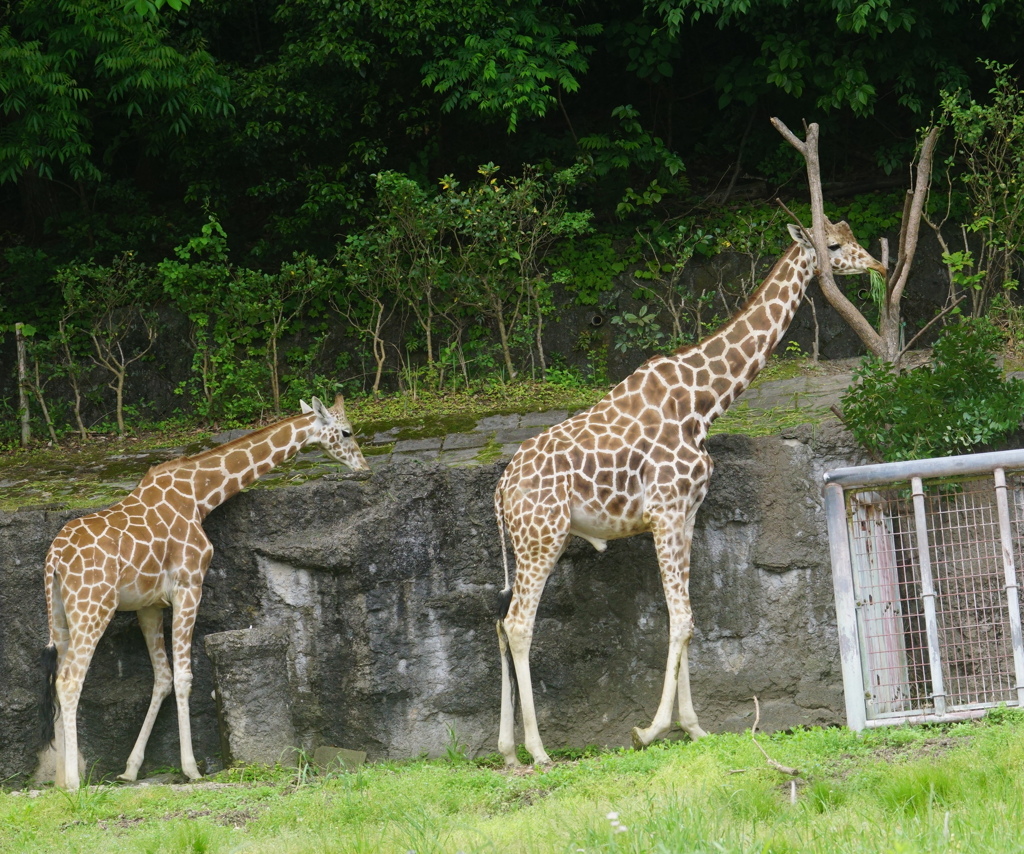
727, 361
218, 474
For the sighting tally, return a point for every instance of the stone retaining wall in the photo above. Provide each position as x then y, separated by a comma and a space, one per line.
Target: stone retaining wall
360, 613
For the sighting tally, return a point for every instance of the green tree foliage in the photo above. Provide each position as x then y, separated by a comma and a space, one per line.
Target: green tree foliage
239, 317
989, 165
958, 404
280, 111
122, 117
844, 53
519, 65
110, 305
330, 93
72, 69
459, 256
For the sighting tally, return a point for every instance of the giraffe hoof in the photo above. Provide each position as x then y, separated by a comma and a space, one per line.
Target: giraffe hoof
638, 742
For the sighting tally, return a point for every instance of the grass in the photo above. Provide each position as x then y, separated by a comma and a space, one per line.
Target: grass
101, 470
924, 789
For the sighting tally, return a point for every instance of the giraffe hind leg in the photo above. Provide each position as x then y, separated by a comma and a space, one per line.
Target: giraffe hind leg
672, 539
74, 664
519, 642
536, 556
507, 725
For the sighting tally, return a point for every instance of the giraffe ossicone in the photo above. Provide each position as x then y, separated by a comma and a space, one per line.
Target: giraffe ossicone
148, 552
636, 462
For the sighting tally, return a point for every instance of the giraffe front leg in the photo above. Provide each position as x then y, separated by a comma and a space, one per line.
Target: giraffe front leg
181, 635
672, 538
673, 680
152, 624
677, 673
687, 714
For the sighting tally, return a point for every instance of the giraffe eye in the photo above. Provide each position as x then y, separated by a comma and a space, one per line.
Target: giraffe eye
347, 434
835, 247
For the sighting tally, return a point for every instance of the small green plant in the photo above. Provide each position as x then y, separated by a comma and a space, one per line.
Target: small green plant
588, 265
640, 330
1003, 714
89, 800
456, 750
566, 378
793, 350
956, 405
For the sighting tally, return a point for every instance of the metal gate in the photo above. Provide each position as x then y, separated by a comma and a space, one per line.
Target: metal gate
926, 560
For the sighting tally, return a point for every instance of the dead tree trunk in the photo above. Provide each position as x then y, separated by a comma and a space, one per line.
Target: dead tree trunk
885, 341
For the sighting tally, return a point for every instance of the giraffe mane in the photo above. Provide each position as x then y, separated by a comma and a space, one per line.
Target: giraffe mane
203, 456
786, 258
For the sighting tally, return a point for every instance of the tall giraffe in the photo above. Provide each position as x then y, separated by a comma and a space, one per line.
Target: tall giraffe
636, 462
149, 552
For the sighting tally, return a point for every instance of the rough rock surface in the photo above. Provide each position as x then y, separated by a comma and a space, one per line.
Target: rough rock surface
371, 602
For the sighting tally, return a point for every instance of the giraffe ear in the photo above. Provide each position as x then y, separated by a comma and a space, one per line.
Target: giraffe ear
322, 412
800, 235
305, 407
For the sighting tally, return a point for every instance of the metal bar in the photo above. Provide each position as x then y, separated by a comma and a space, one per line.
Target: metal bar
968, 464
928, 599
846, 612
961, 715
1012, 593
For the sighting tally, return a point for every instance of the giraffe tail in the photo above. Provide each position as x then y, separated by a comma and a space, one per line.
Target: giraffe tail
499, 515
48, 709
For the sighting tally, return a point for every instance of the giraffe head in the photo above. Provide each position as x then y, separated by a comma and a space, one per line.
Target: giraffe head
333, 432
846, 255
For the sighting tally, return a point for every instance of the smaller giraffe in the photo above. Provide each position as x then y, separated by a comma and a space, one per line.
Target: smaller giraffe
636, 462
149, 552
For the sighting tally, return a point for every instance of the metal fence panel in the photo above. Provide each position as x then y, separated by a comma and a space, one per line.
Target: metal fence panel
925, 558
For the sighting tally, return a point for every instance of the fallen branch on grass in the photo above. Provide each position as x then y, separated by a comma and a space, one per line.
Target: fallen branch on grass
793, 772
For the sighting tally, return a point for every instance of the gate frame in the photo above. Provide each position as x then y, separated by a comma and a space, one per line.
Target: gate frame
837, 483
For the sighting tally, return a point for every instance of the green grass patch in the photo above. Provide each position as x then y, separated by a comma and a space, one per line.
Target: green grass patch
925, 789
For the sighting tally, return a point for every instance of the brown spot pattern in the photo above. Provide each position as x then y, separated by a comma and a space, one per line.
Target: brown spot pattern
149, 552
635, 462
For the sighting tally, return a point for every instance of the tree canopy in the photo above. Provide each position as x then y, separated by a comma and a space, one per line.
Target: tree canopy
125, 122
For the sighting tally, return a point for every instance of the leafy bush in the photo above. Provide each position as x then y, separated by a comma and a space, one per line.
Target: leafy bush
958, 404
460, 262
240, 317
988, 164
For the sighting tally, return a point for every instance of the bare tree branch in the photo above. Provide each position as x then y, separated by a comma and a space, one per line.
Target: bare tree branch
909, 235
826, 281
785, 769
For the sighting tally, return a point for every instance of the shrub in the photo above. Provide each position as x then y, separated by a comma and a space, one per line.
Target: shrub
958, 404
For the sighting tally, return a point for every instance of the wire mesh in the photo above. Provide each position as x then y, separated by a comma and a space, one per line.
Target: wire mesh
966, 659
